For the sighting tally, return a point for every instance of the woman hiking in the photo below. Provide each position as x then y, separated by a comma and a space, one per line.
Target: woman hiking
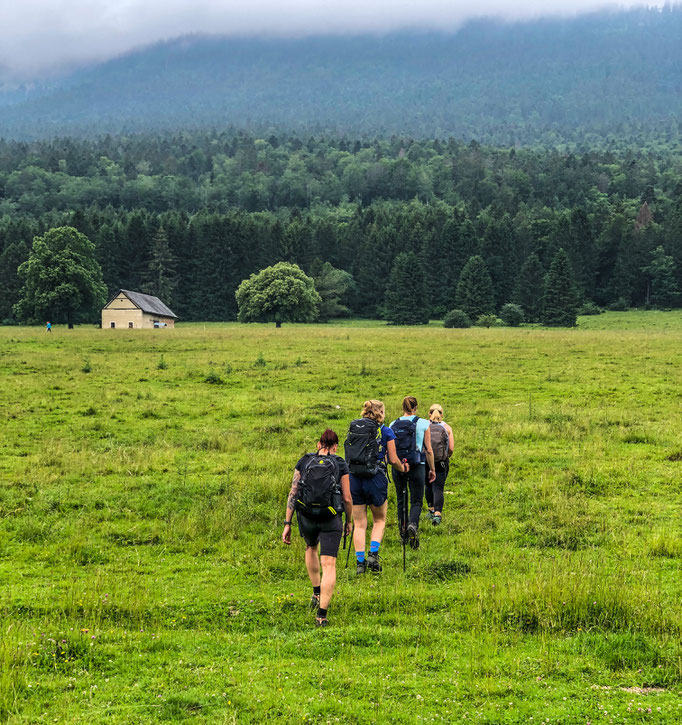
443, 445
368, 446
413, 444
320, 490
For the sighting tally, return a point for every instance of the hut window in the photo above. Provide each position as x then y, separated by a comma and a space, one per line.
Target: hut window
130, 325
113, 324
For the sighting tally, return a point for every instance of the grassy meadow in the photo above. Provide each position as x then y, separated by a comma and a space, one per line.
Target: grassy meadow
143, 480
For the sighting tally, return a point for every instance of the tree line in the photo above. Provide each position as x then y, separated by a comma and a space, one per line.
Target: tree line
354, 205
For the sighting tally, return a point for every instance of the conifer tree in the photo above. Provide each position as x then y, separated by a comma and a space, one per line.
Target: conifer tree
405, 298
530, 288
475, 294
161, 278
661, 271
560, 302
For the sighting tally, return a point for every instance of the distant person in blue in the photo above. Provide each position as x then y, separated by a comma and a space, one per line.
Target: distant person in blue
369, 446
48, 327
413, 443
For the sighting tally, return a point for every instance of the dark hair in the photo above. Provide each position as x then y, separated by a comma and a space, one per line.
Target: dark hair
329, 439
409, 404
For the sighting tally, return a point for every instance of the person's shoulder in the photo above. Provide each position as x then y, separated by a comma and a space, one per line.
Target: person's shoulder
388, 432
339, 459
302, 460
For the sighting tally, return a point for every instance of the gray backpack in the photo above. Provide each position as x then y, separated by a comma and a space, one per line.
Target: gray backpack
439, 442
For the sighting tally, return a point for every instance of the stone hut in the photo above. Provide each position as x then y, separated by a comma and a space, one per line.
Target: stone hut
132, 310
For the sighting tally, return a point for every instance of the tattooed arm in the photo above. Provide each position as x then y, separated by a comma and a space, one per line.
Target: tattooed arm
286, 534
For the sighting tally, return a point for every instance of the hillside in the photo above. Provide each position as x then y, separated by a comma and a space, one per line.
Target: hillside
545, 80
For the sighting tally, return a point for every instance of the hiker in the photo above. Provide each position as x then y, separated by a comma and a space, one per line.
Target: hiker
443, 446
48, 327
319, 491
413, 444
368, 445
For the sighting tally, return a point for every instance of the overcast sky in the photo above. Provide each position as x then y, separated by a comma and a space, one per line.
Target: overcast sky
37, 35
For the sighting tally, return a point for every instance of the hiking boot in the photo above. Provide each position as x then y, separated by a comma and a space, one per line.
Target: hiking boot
361, 567
373, 562
436, 520
314, 602
413, 536
321, 622
430, 515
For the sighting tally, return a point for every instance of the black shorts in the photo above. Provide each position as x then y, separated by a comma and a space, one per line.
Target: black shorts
325, 533
369, 491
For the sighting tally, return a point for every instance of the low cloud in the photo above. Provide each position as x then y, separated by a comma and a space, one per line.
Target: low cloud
40, 36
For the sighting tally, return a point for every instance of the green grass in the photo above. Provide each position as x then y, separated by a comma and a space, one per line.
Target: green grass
143, 579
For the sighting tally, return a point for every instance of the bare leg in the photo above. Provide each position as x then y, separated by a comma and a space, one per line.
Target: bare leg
313, 565
360, 521
378, 521
328, 580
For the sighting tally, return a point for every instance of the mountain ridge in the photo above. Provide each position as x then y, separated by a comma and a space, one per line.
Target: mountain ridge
496, 81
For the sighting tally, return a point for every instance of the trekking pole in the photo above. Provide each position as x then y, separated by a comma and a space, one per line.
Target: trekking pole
352, 531
404, 521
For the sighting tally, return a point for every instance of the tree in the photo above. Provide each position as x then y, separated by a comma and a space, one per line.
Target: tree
281, 293
663, 285
61, 278
161, 278
512, 314
332, 285
405, 297
560, 303
530, 287
475, 294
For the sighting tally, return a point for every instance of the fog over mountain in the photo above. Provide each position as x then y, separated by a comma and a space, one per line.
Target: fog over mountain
39, 38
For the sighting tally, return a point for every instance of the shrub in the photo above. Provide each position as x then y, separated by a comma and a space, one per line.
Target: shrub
512, 314
87, 368
162, 364
619, 305
213, 378
487, 321
457, 318
259, 362
589, 308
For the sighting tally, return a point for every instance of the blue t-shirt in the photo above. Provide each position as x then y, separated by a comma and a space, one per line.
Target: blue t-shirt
386, 435
422, 427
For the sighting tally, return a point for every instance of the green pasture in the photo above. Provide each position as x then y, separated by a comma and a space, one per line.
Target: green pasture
143, 479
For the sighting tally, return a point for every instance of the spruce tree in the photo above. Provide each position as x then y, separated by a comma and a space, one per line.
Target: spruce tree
530, 285
405, 301
161, 278
661, 271
475, 294
560, 302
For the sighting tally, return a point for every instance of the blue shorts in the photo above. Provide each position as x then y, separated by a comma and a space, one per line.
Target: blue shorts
366, 491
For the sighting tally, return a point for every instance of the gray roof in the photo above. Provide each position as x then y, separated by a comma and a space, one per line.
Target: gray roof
149, 304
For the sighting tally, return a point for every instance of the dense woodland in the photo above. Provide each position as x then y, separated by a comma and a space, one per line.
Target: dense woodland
189, 216
544, 80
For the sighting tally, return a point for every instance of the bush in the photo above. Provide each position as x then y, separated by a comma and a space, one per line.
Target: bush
589, 308
619, 305
512, 315
456, 318
487, 321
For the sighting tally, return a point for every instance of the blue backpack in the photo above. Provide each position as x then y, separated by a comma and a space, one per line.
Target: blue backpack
405, 430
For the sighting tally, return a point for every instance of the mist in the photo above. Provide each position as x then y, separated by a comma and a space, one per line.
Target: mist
42, 37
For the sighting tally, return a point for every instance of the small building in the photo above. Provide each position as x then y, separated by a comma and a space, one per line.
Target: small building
132, 310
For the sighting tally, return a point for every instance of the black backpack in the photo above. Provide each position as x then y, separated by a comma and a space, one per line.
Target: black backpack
440, 442
319, 489
405, 430
362, 446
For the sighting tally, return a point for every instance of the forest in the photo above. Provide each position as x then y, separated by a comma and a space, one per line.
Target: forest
603, 74
189, 216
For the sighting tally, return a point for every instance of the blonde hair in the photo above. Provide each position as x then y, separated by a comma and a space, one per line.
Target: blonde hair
409, 404
374, 409
436, 413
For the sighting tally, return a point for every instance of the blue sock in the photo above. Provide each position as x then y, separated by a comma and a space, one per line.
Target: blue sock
360, 555
374, 547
